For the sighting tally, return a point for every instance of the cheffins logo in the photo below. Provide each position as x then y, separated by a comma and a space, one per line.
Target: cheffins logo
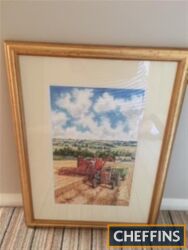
147, 235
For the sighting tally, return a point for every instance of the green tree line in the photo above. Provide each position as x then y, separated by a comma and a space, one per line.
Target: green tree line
85, 152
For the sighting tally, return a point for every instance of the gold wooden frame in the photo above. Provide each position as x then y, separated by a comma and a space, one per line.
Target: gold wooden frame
14, 49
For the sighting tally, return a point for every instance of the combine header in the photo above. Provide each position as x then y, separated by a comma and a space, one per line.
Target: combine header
85, 166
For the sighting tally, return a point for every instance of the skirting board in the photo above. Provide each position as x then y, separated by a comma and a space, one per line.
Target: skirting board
174, 204
167, 203
14, 200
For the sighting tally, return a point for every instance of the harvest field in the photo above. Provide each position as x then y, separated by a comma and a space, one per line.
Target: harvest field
78, 190
74, 188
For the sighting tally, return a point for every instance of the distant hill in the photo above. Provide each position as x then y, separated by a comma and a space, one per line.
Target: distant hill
58, 141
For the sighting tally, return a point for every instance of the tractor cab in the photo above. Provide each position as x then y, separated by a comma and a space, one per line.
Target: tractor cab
106, 176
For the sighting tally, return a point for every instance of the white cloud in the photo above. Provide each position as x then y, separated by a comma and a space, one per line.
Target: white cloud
100, 131
58, 120
87, 121
59, 117
107, 103
134, 120
135, 104
104, 131
131, 108
73, 133
109, 133
77, 102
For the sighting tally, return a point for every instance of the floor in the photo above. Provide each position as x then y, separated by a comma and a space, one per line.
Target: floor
14, 235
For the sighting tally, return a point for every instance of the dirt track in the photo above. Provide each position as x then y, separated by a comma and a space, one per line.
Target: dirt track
80, 191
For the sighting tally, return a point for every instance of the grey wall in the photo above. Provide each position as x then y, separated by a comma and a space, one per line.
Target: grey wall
142, 23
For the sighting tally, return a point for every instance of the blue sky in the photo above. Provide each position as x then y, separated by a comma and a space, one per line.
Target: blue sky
96, 113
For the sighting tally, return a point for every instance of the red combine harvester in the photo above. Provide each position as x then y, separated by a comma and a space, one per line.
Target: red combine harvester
85, 166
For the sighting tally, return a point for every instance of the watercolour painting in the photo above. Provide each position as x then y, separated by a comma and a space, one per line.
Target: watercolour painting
94, 140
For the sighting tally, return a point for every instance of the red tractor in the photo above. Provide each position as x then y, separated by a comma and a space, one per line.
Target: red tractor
108, 176
98, 173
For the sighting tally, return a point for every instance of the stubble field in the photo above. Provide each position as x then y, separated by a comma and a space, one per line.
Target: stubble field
78, 190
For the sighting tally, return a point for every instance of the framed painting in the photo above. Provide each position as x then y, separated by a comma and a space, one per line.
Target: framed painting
94, 128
